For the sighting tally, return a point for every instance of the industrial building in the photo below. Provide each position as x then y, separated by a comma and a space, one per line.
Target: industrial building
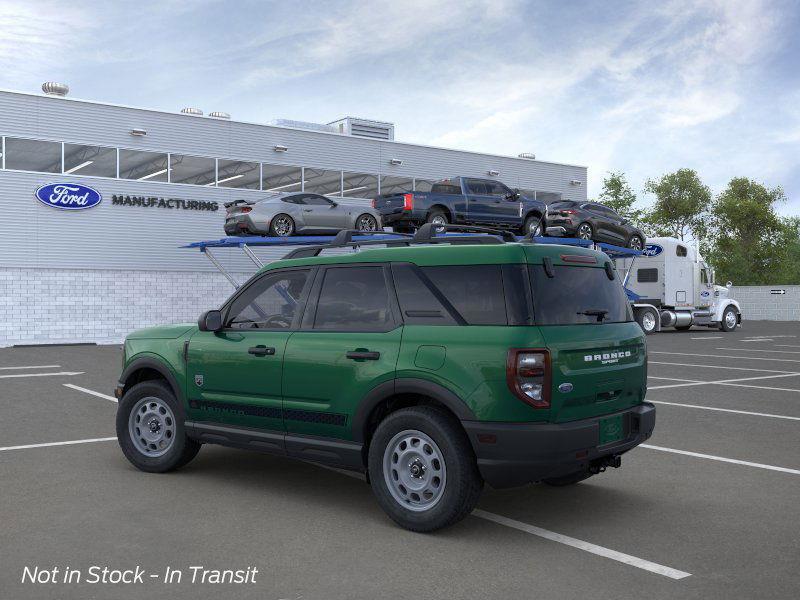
161, 179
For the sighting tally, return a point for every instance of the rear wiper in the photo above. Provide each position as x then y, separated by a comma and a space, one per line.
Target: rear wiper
600, 313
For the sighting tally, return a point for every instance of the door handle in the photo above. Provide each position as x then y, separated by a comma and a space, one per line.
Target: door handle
261, 351
363, 355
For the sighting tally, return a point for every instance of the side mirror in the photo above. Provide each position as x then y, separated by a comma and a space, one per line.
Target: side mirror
211, 320
334, 204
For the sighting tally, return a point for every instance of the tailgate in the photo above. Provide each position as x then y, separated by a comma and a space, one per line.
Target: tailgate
391, 203
603, 363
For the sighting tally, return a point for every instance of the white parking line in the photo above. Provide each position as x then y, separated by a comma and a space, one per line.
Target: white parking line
31, 367
722, 459
48, 444
557, 537
758, 340
656, 362
721, 381
728, 410
726, 356
757, 350
92, 392
581, 545
708, 337
676, 379
41, 374
786, 346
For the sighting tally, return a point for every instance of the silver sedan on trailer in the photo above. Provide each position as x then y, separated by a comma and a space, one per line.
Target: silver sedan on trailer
286, 214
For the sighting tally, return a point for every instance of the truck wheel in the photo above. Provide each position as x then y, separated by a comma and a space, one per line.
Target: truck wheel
533, 226
729, 320
647, 320
281, 226
150, 428
423, 470
438, 217
570, 479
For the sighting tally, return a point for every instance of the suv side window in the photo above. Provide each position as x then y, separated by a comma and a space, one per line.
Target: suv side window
354, 299
476, 291
418, 302
270, 302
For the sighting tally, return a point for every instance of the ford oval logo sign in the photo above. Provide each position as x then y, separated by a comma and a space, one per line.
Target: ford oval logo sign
68, 196
652, 250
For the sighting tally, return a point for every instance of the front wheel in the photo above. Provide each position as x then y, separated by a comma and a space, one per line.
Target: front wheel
422, 469
366, 222
729, 320
150, 428
647, 321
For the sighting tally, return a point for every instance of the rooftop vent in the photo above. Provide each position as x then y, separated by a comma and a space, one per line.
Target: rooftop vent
377, 130
51, 88
219, 115
303, 125
527, 155
192, 111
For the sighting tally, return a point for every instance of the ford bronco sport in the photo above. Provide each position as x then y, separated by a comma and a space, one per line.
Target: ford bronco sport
432, 366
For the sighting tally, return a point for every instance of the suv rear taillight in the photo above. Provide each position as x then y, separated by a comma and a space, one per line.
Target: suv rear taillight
528, 375
568, 212
408, 201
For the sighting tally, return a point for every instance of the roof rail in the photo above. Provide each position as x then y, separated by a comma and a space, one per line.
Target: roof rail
427, 234
344, 239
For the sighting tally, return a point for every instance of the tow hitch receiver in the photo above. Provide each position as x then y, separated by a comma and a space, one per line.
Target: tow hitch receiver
601, 464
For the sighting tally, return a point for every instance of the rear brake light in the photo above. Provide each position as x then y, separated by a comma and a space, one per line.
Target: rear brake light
528, 375
579, 258
246, 209
408, 201
568, 212
374, 200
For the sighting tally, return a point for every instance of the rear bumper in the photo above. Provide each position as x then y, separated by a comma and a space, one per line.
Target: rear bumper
529, 452
243, 225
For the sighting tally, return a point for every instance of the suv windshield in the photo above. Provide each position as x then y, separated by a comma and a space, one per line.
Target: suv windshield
577, 295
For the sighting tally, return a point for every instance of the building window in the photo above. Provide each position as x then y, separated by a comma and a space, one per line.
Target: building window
96, 161
143, 166
280, 178
396, 185
194, 170
546, 197
423, 185
359, 185
33, 155
237, 174
320, 181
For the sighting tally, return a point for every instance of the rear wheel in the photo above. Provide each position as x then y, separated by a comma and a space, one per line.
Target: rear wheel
635, 243
533, 226
366, 222
729, 320
150, 428
438, 217
423, 470
570, 479
281, 226
585, 231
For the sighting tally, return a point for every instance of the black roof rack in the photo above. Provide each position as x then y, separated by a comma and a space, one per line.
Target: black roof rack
426, 234
344, 239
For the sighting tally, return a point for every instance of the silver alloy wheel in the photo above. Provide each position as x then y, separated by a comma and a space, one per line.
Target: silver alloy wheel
151, 426
648, 321
282, 226
585, 231
366, 223
439, 220
730, 319
635, 243
414, 470
535, 230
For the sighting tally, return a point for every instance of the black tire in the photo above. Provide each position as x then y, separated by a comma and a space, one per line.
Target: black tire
367, 222
437, 215
636, 242
642, 318
724, 326
533, 223
585, 227
182, 449
277, 220
570, 479
463, 483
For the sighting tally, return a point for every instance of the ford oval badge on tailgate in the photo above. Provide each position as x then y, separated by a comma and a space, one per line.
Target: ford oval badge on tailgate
68, 196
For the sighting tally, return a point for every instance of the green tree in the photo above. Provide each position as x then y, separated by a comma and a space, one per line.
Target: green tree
749, 243
681, 206
618, 195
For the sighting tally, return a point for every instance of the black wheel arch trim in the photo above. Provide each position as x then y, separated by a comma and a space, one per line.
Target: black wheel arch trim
408, 385
148, 362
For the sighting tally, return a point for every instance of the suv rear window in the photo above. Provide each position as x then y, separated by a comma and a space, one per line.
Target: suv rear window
566, 298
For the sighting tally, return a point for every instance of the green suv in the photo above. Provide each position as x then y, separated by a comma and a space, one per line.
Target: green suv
430, 367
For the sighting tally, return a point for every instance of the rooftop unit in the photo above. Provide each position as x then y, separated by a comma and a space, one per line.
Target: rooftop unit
304, 125
376, 130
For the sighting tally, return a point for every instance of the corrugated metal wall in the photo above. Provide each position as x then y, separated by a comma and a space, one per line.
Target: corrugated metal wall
122, 237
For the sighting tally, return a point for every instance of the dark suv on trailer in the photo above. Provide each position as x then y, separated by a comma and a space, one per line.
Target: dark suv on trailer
431, 367
594, 221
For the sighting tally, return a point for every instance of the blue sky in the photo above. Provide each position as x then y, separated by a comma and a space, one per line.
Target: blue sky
641, 87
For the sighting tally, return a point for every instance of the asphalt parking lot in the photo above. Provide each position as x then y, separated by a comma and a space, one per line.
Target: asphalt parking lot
708, 509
